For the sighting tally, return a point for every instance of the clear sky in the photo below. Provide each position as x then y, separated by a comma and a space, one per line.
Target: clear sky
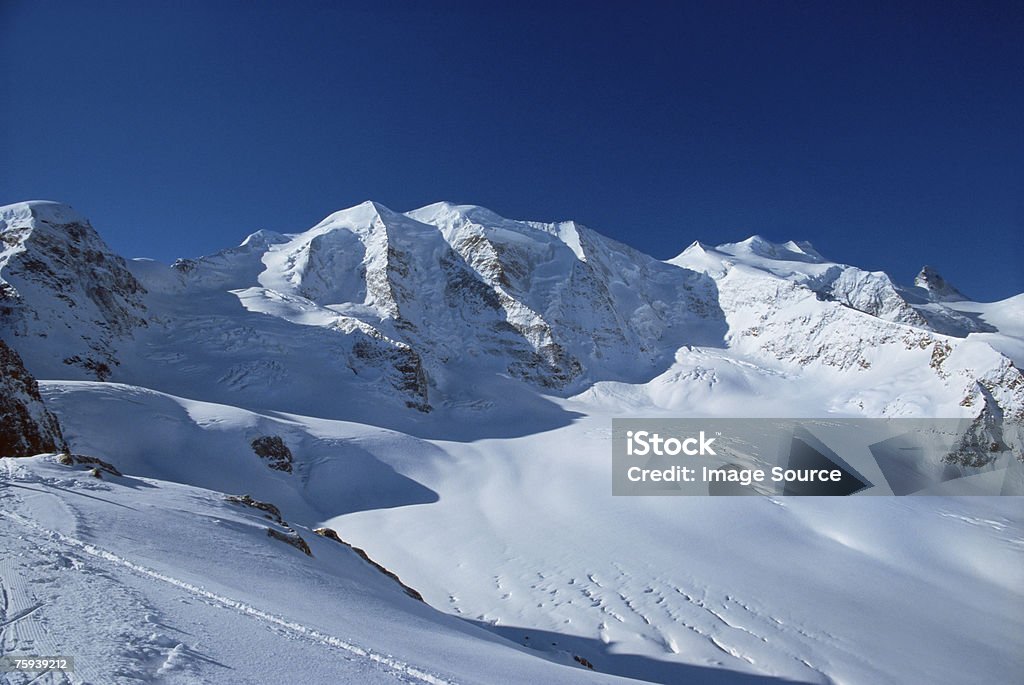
888, 134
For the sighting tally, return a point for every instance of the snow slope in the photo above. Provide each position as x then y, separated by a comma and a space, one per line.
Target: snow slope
809, 590
534, 550
85, 575
443, 382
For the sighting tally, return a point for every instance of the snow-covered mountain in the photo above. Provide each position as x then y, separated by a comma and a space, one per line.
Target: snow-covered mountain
66, 300
422, 309
424, 301
925, 305
437, 386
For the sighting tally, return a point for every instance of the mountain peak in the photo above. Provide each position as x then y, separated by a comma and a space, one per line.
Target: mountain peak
759, 246
361, 216
21, 214
803, 247
939, 289
449, 213
697, 246
263, 238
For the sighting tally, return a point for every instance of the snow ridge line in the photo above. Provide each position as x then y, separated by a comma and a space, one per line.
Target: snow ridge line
305, 631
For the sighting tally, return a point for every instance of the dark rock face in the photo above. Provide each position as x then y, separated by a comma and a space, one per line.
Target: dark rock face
60, 277
273, 449
583, 662
939, 289
26, 427
995, 429
404, 367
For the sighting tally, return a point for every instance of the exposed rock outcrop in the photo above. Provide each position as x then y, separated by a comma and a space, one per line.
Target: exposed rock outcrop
274, 451
26, 427
293, 539
331, 534
269, 510
938, 288
95, 464
287, 534
66, 300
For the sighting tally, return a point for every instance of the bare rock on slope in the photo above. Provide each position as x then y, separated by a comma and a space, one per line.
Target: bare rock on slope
274, 451
26, 427
67, 301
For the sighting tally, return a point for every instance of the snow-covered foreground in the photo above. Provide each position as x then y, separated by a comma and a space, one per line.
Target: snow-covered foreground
143, 580
521, 538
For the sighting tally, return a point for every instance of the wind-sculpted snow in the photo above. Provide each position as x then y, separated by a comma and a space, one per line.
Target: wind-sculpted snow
328, 475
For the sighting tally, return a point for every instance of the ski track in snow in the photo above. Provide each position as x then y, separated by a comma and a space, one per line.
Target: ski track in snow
19, 633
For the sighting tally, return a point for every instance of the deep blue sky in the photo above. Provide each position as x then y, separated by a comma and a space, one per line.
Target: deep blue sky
888, 134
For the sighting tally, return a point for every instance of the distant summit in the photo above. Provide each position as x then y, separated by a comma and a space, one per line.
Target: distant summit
939, 289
